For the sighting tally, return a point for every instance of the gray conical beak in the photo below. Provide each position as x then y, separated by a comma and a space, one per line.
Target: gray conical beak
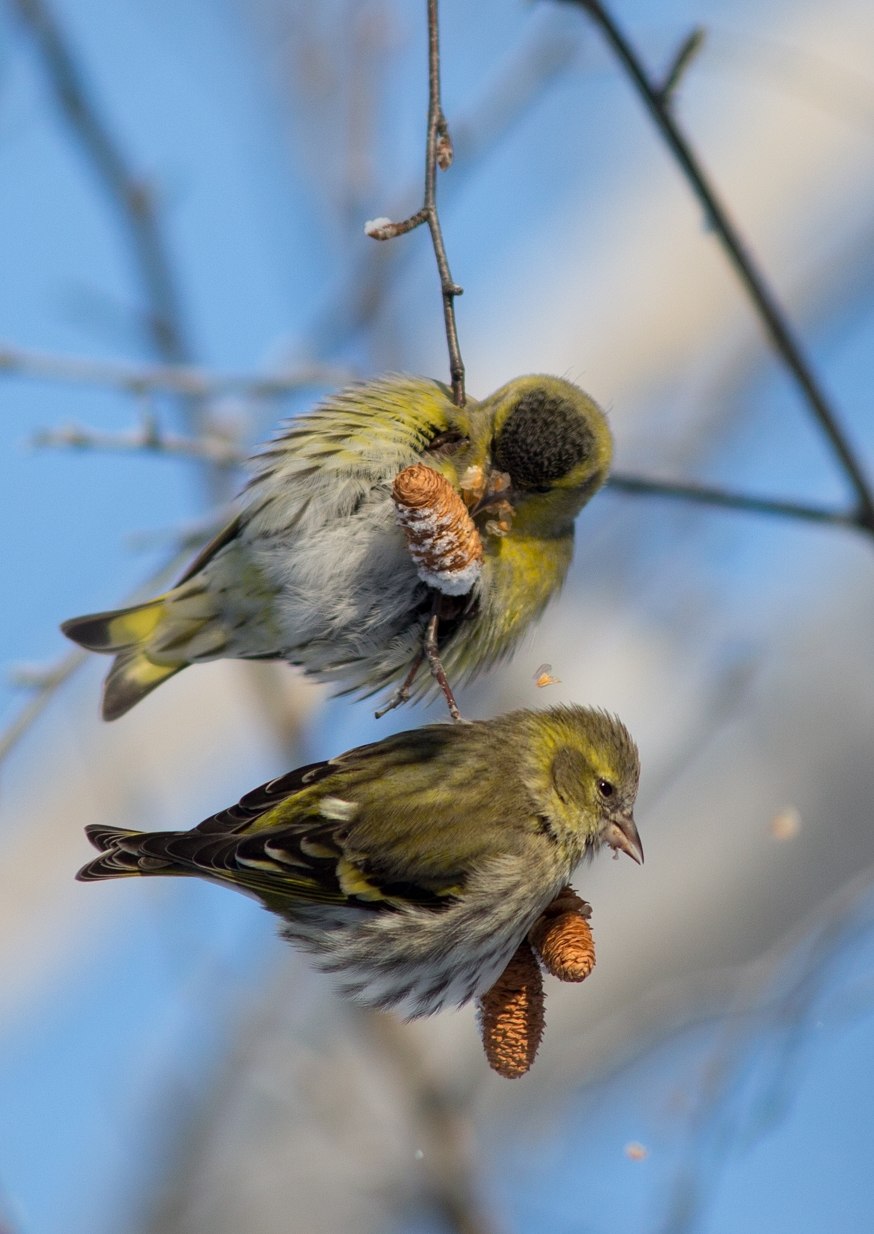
621, 835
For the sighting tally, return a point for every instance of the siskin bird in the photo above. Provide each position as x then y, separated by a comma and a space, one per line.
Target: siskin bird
414, 867
315, 570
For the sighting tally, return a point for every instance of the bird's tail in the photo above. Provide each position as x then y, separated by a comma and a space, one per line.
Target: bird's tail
114, 861
123, 853
127, 634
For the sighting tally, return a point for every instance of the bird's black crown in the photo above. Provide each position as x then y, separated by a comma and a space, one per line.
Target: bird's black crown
543, 438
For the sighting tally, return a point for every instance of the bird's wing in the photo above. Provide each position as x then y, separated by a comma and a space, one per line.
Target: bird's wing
385, 824
218, 542
376, 428
245, 813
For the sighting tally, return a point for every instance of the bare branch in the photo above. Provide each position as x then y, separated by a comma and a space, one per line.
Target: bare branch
442, 1124
438, 155
709, 495
683, 57
219, 451
135, 204
497, 109
131, 196
385, 229
437, 147
43, 683
777, 998
43, 688
760, 293
163, 379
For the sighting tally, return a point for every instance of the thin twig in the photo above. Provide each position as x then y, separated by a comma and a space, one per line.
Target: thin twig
683, 57
753, 280
181, 379
438, 154
501, 105
39, 696
760, 1012
135, 204
704, 494
442, 1123
439, 149
43, 684
216, 450
130, 195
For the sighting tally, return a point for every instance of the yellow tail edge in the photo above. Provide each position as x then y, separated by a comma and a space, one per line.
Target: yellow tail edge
119, 630
132, 676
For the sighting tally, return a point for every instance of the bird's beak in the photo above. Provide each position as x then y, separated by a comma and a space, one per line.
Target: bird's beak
621, 835
498, 489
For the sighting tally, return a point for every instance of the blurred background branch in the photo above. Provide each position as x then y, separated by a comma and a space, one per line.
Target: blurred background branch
719, 221
133, 198
165, 379
707, 495
150, 439
41, 689
42, 683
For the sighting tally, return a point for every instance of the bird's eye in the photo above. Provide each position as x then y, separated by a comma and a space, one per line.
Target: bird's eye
605, 788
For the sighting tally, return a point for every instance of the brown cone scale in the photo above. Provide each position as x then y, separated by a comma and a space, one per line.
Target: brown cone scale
512, 1016
562, 937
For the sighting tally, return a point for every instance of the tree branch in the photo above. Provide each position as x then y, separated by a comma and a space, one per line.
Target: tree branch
438, 154
178, 379
42, 688
43, 683
134, 203
500, 106
679, 66
131, 196
219, 451
709, 495
442, 1122
760, 293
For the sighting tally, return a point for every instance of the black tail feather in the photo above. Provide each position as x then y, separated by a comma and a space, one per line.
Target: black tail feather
118, 854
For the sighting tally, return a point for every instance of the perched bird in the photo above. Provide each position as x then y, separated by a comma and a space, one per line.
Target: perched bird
414, 867
315, 569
